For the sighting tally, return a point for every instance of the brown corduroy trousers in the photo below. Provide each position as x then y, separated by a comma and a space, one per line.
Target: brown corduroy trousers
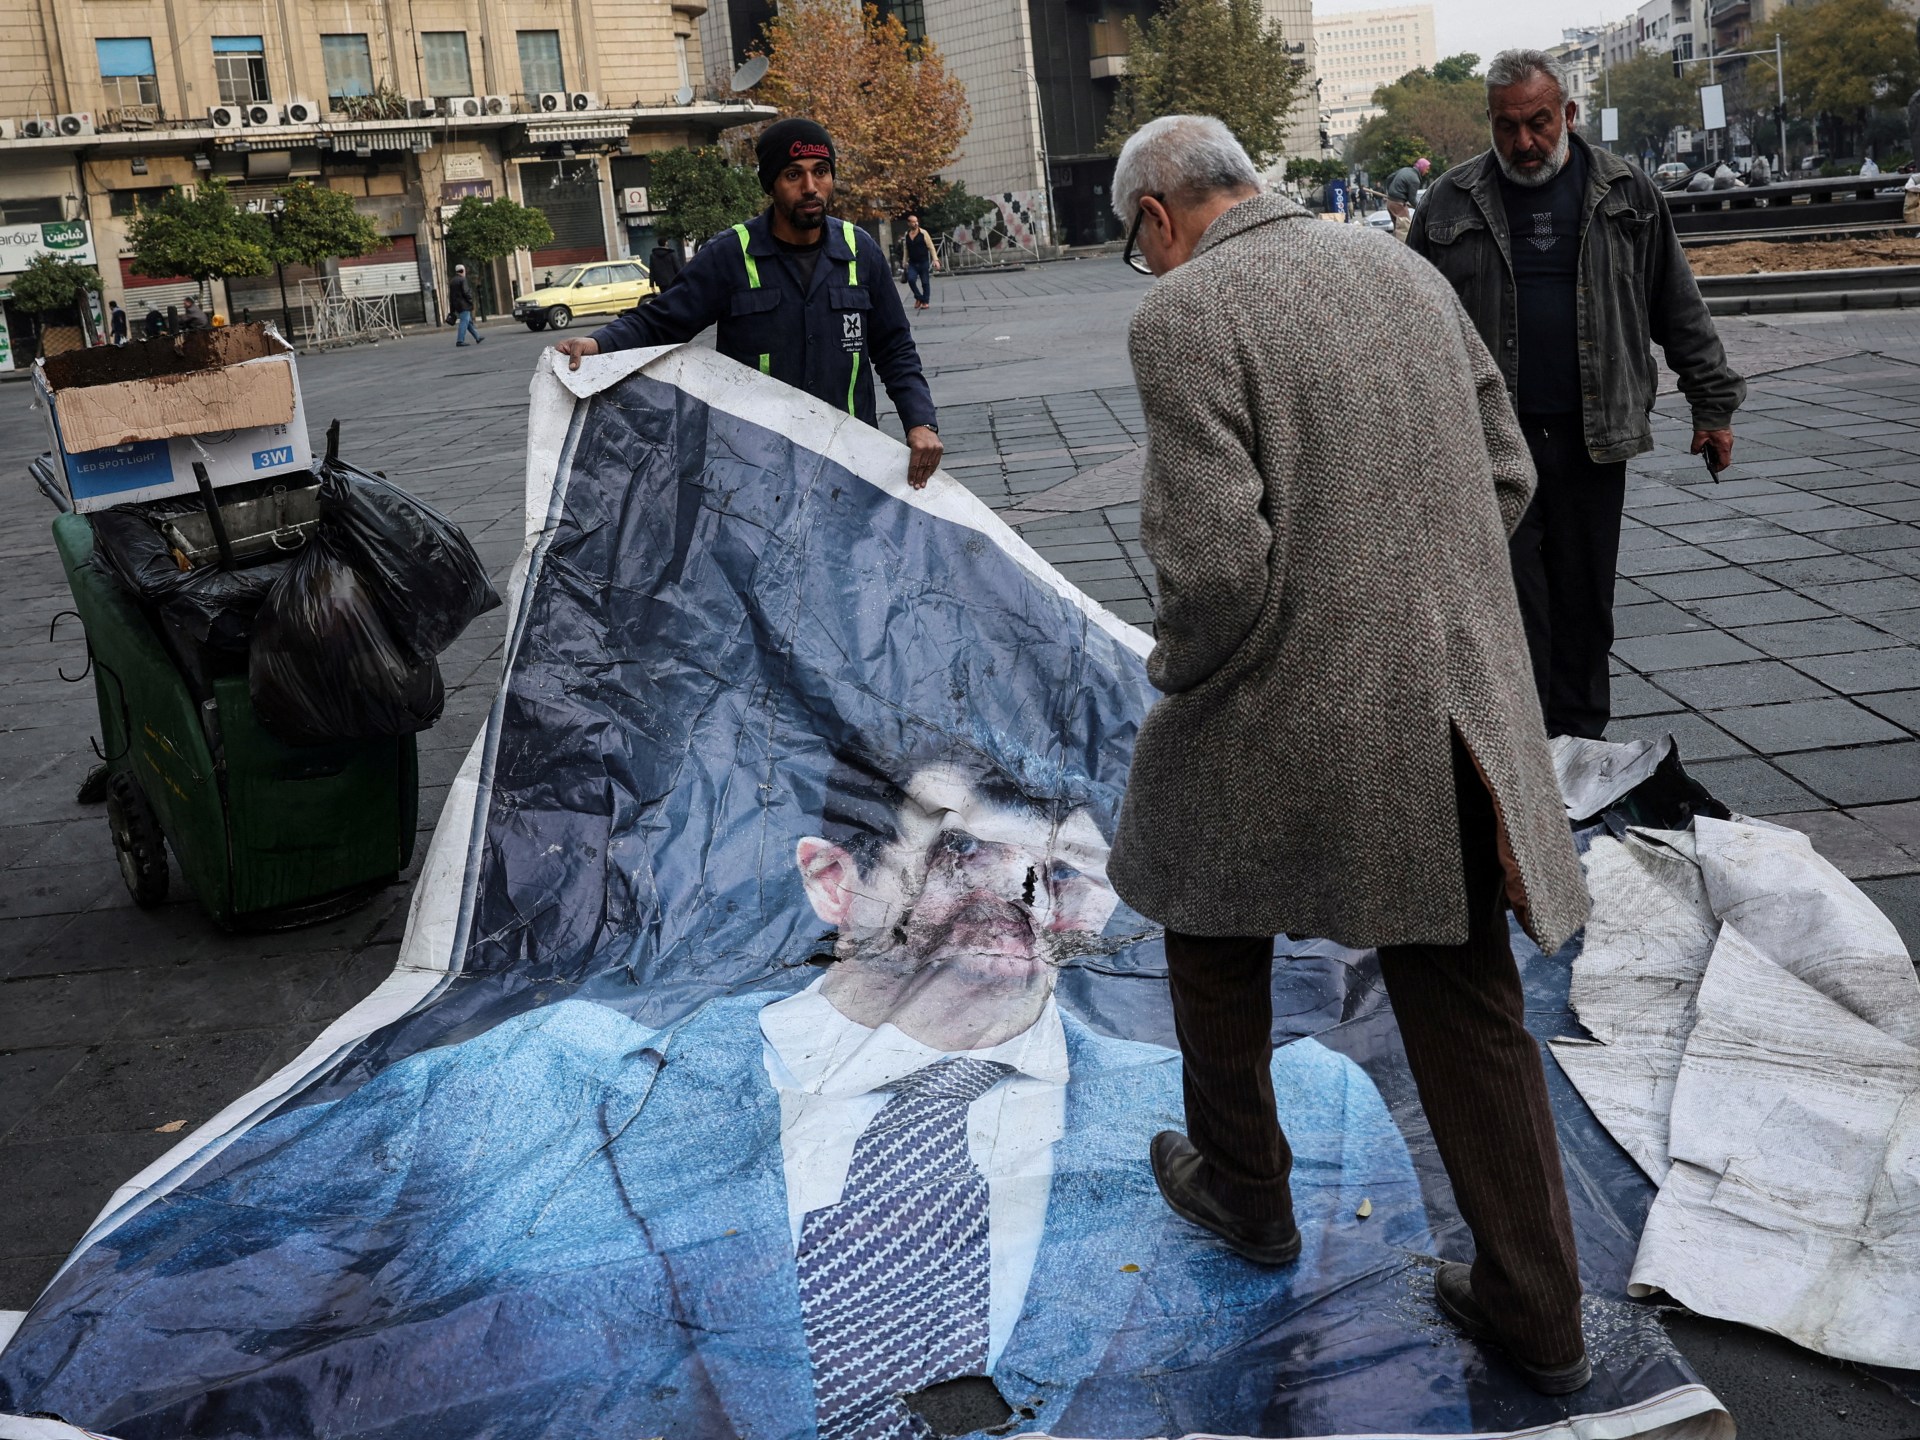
1461, 1016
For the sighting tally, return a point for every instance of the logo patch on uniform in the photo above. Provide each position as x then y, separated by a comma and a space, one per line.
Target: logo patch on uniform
850, 329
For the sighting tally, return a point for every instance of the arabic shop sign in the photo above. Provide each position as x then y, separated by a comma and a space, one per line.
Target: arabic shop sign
70, 239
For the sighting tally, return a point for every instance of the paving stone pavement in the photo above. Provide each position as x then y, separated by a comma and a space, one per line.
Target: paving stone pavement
1770, 621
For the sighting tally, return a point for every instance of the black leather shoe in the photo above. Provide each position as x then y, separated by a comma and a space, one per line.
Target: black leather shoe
1453, 1291
1176, 1166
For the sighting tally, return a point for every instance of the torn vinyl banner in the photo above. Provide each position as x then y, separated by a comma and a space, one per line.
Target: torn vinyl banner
768, 1051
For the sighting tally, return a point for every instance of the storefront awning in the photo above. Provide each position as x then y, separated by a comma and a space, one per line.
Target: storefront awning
570, 130
421, 140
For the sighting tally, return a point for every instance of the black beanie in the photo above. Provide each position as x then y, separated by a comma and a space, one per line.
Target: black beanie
785, 141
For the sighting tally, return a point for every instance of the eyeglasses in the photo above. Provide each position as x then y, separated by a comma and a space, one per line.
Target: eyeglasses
1135, 261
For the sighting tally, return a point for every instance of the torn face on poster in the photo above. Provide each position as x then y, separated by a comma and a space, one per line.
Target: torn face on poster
768, 1051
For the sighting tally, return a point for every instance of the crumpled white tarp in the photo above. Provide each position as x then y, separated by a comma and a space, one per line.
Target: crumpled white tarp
1595, 773
1756, 1049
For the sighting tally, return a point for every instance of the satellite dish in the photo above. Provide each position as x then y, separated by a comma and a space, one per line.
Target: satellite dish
684, 95
750, 74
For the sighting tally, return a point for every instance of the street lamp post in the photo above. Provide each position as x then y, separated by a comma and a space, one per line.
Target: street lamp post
1046, 164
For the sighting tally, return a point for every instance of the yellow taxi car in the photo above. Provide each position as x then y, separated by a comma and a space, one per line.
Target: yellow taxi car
603, 288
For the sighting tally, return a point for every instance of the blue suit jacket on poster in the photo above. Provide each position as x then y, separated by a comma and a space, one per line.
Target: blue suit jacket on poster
574, 1226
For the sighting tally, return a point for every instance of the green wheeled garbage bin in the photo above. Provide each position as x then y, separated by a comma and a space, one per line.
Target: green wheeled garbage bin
266, 835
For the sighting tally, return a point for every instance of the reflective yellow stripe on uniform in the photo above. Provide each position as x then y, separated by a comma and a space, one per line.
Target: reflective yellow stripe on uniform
853, 278
753, 270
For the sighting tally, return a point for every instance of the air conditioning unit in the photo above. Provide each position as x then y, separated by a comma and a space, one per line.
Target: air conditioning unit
496, 104
77, 124
552, 102
466, 107
258, 114
224, 117
420, 109
581, 100
302, 112
37, 128
8, 130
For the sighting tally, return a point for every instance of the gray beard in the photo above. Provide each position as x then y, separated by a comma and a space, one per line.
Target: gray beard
1555, 163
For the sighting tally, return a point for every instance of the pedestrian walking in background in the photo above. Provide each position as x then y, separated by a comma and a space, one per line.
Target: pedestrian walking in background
116, 322
799, 295
1403, 194
460, 297
920, 260
1568, 262
663, 264
1347, 744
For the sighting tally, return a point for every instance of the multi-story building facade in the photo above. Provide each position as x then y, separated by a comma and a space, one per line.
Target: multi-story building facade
1358, 51
1040, 77
1579, 54
107, 105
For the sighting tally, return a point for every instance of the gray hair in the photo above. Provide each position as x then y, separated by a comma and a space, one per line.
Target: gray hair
1179, 156
1515, 67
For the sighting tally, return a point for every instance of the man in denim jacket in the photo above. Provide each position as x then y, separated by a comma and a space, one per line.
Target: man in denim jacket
1568, 263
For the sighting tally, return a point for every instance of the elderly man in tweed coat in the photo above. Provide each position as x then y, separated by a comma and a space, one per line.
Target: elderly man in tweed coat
1350, 742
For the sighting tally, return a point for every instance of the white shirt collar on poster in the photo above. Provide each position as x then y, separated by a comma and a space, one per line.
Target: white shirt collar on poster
829, 1072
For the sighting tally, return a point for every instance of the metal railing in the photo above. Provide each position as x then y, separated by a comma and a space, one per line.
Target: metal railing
331, 317
956, 258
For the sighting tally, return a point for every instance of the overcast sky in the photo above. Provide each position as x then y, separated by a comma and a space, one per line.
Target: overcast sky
1485, 26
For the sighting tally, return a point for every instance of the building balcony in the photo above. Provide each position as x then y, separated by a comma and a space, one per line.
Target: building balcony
1107, 43
1722, 12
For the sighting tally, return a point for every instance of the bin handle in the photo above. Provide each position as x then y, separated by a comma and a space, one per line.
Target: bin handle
53, 625
126, 714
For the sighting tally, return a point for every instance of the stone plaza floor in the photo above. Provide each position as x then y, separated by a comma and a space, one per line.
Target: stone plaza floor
1770, 621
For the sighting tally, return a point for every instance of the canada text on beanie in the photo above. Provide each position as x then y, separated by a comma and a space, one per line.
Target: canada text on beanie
786, 141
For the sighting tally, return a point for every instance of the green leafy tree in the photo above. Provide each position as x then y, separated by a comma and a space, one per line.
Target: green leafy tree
485, 230
1651, 100
204, 237
1315, 172
52, 284
482, 231
313, 225
1845, 58
1210, 57
948, 205
54, 288
1380, 147
696, 193
1439, 113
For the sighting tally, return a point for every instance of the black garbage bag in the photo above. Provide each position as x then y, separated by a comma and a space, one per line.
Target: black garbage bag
324, 665
209, 606
414, 561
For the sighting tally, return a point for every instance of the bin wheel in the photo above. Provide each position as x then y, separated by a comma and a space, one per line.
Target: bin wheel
137, 841
559, 317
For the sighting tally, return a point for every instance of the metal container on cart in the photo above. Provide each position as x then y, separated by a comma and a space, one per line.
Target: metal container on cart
266, 835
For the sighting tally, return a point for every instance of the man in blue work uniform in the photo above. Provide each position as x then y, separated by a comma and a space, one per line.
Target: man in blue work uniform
799, 296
